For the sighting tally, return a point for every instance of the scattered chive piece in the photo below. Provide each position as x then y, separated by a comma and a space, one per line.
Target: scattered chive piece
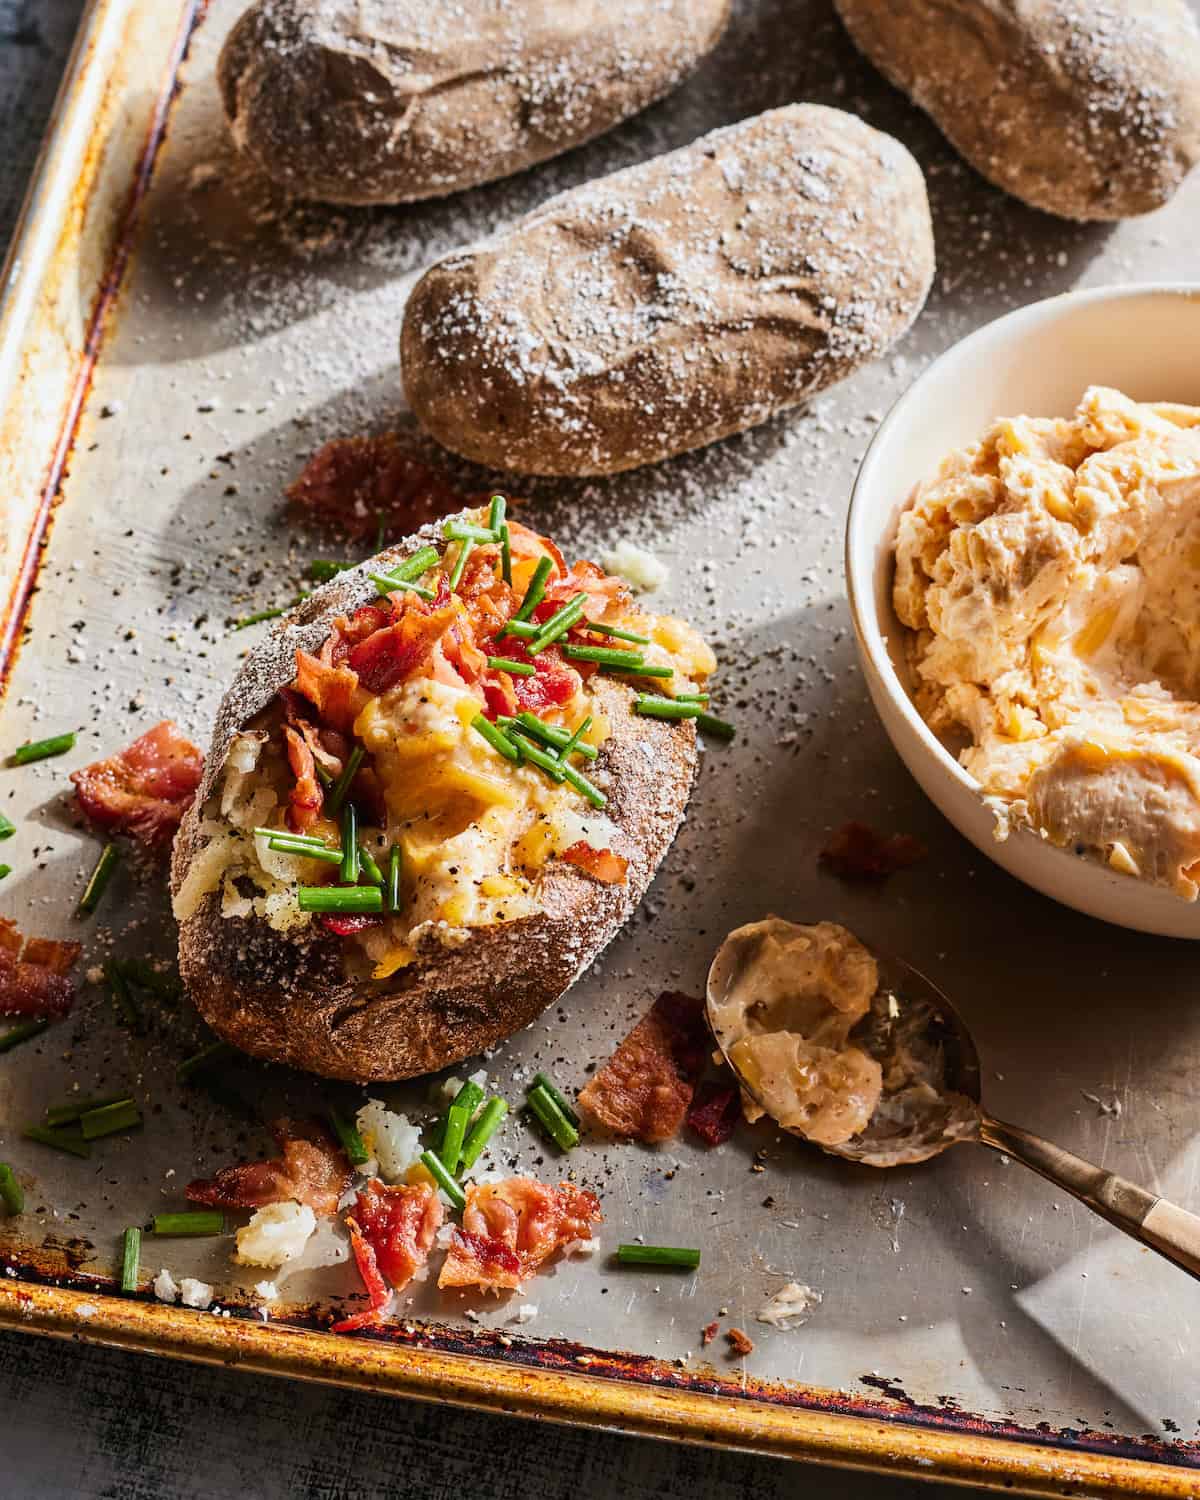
691, 698
572, 744
59, 1139
605, 656
458, 1118
550, 734
534, 593
551, 1118
201, 1221
351, 1141
270, 614
544, 1081
395, 860
342, 785
496, 738
465, 548
468, 1099
496, 512
131, 1258
67, 1114
643, 669
351, 864
15, 1035
109, 1119
464, 531
658, 1255
558, 624
521, 628
141, 971
513, 668
5, 871
348, 898
370, 870
482, 1131
675, 708
58, 744
388, 583
10, 1190
534, 752
620, 635
7, 828
110, 857
214, 1052
433, 1165
126, 1004
582, 785
412, 567
506, 555
282, 844
323, 775
322, 569
292, 838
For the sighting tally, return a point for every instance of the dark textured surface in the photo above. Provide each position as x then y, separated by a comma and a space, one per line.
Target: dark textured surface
95, 1424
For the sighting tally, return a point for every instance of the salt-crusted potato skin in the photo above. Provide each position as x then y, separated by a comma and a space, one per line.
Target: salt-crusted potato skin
1084, 108
287, 1000
389, 101
675, 302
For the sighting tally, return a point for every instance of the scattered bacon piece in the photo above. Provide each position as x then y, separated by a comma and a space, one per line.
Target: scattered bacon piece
714, 1113
143, 790
306, 798
345, 925
553, 684
387, 657
33, 974
857, 852
352, 482
377, 1290
509, 1228
313, 1169
646, 1087
399, 1224
709, 1332
742, 1343
332, 690
527, 543
601, 864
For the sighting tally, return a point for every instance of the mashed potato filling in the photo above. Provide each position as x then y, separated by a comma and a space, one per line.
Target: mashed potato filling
1049, 576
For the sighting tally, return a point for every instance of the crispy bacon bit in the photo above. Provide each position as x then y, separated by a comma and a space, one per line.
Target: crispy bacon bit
313, 1170
646, 1087
714, 1113
742, 1343
857, 852
332, 690
345, 925
601, 864
377, 1292
387, 657
352, 482
143, 790
709, 1332
399, 1224
510, 1228
553, 684
33, 974
306, 798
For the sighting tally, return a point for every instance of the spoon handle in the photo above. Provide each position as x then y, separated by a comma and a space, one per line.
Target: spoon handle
1155, 1222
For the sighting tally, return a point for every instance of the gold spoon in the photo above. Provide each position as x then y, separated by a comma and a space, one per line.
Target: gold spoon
950, 1111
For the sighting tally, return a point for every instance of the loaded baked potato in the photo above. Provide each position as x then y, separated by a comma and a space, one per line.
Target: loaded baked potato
393, 861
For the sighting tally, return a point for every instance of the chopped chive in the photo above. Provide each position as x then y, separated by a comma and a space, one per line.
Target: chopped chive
342, 785
395, 862
270, 614
551, 1118
464, 531
323, 775
642, 669
67, 1114
605, 656
15, 1035
389, 584
585, 787
558, 624
470, 1094
200, 1221
102, 873
10, 1190
658, 1255
214, 1052
675, 708
124, 999
352, 898
550, 734
7, 827
131, 1259
541, 758
691, 698
142, 972
351, 1141
482, 1131
413, 567
496, 738
5, 871
534, 593
59, 1139
370, 870
109, 1119
521, 629
458, 1118
544, 1081
465, 548
57, 744
513, 668
283, 844
433, 1165
620, 635
322, 569
506, 555
573, 744
293, 838
351, 865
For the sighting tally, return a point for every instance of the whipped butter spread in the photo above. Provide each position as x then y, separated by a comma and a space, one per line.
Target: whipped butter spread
1049, 577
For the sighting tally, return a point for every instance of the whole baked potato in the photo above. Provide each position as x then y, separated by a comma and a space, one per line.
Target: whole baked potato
675, 302
388, 101
399, 724
1084, 108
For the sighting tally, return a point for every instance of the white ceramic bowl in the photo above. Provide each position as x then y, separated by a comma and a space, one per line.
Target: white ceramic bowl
1143, 340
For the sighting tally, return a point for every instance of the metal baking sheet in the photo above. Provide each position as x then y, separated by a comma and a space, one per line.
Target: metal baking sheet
973, 1323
